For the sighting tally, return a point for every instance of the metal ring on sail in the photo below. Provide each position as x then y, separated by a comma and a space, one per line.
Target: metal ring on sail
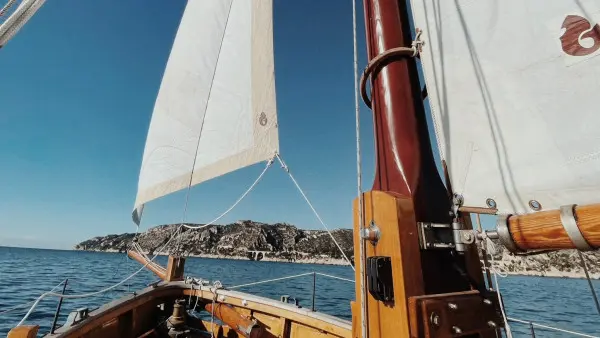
13, 17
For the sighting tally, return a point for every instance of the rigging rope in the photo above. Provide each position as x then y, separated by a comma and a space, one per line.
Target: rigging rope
187, 194
150, 261
16, 307
91, 294
492, 250
289, 277
18, 18
386, 57
269, 163
335, 277
551, 328
361, 250
269, 280
287, 169
6, 7
587, 276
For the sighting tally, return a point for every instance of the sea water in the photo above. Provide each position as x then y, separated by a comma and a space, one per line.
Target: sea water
27, 273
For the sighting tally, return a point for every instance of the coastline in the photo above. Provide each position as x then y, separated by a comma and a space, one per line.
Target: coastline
553, 273
318, 261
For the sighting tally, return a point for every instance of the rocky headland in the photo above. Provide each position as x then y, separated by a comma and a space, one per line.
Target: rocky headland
285, 242
240, 240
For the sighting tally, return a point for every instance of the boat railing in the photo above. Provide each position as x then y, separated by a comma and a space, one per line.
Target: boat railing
532, 326
314, 274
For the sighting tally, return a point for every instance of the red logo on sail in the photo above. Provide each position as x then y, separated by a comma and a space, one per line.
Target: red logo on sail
580, 38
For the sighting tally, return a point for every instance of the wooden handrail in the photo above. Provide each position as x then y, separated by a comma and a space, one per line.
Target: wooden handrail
158, 270
544, 229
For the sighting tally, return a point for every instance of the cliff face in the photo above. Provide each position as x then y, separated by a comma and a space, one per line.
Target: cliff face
275, 241
245, 239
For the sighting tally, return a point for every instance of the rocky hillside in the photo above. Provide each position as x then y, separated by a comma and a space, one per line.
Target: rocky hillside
247, 239
564, 263
241, 239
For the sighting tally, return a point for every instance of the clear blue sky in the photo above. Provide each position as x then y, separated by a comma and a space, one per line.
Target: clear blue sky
78, 87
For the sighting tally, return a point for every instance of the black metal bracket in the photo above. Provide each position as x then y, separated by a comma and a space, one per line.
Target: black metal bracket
379, 278
434, 236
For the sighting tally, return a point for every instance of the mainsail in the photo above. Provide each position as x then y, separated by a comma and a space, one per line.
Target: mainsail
514, 91
216, 109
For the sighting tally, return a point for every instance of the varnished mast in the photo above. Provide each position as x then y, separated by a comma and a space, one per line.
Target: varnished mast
403, 280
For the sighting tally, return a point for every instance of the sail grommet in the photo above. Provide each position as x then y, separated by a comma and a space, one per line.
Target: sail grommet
504, 234
491, 203
569, 223
535, 205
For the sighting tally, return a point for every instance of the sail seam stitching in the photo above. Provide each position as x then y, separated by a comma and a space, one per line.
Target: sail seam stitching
187, 195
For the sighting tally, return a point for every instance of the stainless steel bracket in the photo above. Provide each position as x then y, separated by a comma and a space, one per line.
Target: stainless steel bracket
434, 236
567, 218
504, 234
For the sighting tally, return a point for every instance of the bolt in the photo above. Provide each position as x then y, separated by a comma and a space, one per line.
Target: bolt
434, 319
467, 236
430, 245
452, 306
487, 302
456, 330
492, 324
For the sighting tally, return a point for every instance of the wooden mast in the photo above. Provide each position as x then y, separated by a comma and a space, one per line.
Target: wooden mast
407, 190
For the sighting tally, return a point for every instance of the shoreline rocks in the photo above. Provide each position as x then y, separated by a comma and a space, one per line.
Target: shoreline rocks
282, 242
239, 240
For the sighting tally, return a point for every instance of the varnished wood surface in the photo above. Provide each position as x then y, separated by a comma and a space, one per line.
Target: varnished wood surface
175, 269
248, 304
395, 218
26, 331
399, 240
470, 314
234, 319
544, 230
158, 270
135, 315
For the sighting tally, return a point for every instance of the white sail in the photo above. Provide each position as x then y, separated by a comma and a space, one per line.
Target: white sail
216, 110
514, 88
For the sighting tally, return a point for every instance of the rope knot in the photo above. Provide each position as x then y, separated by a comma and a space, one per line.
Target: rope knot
418, 43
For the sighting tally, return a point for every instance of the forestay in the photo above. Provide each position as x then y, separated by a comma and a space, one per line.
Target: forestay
514, 88
216, 110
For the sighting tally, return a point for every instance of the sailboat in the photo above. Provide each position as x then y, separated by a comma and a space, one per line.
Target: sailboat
512, 92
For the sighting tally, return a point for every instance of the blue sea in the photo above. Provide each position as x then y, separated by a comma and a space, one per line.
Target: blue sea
27, 273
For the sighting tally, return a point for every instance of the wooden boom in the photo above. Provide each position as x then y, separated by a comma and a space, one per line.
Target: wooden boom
158, 270
553, 229
173, 271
